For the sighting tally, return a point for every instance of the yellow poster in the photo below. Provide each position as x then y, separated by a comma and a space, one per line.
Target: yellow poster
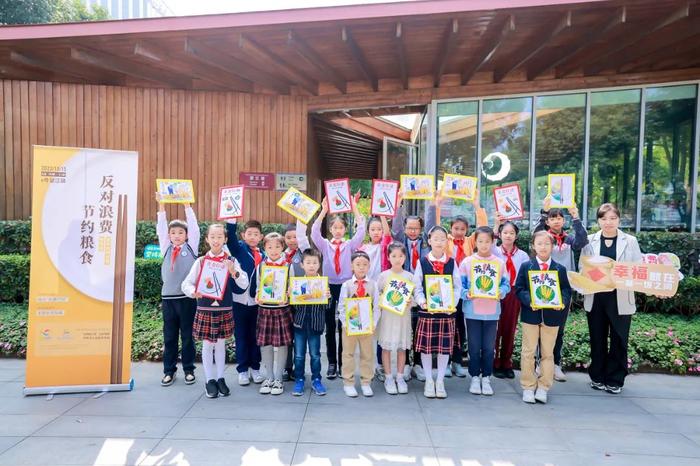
82, 270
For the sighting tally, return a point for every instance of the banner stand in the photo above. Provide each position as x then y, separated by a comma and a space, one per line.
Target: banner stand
63, 389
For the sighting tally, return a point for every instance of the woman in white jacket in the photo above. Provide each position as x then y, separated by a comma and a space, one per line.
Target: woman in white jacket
610, 313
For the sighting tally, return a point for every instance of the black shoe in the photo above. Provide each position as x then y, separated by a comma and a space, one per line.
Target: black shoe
614, 389
167, 380
499, 373
332, 372
189, 378
223, 388
510, 374
288, 375
211, 389
597, 386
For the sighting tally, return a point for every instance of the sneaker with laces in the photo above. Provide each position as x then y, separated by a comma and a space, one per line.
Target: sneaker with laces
541, 395
529, 396
211, 389
257, 376
167, 380
475, 387
401, 386
332, 371
390, 386
406, 373
318, 387
266, 387
223, 388
277, 388
559, 374
499, 373
298, 388
510, 373
440, 391
189, 378
597, 386
367, 390
243, 379
448, 371
486, 388
459, 371
418, 373
379, 374
429, 388
614, 389
350, 391
287, 375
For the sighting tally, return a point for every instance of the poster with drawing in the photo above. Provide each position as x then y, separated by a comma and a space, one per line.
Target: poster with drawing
418, 186
385, 196
561, 188
338, 195
440, 293
545, 292
230, 202
308, 290
485, 279
212, 280
175, 191
358, 316
396, 295
508, 201
273, 284
459, 187
298, 205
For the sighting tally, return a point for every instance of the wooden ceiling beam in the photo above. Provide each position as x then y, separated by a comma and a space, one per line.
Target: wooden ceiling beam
265, 56
604, 29
494, 36
214, 57
62, 67
328, 73
360, 59
120, 65
400, 49
446, 46
603, 60
9, 71
526, 53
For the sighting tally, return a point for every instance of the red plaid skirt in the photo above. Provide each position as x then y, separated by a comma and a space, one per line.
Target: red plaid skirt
274, 326
435, 335
212, 325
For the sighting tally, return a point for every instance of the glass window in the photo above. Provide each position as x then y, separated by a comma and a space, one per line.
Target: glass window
668, 157
614, 139
506, 128
559, 145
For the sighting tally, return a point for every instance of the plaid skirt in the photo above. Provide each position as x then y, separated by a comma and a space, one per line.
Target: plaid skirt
435, 335
274, 326
212, 325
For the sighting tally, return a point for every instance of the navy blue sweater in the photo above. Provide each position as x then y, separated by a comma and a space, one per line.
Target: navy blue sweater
241, 251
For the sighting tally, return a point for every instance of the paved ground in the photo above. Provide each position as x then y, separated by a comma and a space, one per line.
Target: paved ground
656, 421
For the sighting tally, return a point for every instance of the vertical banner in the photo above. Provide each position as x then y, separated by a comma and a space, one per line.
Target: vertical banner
82, 270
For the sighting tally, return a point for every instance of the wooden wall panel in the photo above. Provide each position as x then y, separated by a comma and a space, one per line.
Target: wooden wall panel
207, 136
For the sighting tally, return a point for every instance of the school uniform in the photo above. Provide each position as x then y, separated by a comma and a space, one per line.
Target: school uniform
274, 325
539, 326
309, 322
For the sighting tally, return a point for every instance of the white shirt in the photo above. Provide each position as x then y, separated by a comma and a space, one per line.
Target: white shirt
418, 280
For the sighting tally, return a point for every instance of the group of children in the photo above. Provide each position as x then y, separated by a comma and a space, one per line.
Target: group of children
411, 248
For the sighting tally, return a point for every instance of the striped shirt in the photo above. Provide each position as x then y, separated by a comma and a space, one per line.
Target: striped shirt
310, 317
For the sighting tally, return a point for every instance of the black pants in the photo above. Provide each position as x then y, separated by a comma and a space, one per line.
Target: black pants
333, 347
178, 317
245, 319
608, 363
414, 324
461, 333
560, 337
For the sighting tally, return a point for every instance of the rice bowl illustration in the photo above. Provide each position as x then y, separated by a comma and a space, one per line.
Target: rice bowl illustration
484, 283
545, 293
394, 298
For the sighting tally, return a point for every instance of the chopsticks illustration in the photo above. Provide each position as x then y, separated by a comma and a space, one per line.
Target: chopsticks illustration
388, 202
342, 198
118, 298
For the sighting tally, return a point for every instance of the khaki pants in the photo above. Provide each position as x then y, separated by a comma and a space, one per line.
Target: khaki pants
366, 358
547, 337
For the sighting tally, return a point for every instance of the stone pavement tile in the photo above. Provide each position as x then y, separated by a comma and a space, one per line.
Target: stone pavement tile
694, 437
400, 434
457, 456
615, 441
108, 426
12, 370
162, 402
357, 411
60, 451
250, 394
662, 386
667, 406
235, 429
463, 398
516, 438
683, 424
457, 415
233, 408
22, 425
617, 459
219, 453
313, 454
337, 395
39, 405
619, 421
7, 442
593, 404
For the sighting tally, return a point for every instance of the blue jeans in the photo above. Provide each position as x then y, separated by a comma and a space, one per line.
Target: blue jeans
481, 339
301, 339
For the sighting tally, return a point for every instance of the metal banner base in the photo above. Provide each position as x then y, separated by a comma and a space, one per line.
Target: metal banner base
119, 387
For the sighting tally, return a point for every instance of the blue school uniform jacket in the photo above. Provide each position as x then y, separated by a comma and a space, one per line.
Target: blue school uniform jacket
241, 251
548, 317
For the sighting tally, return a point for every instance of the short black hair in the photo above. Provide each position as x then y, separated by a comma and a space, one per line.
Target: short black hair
357, 255
177, 223
555, 212
484, 230
311, 252
508, 223
396, 245
459, 219
252, 224
413, 217
436, 228
290, 227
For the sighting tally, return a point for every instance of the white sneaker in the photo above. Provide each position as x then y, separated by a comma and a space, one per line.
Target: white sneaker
257, 376
486, 386
559, 375
429, 389
266, 387
401, 386
448, 371
529, 396
475, 387
277, 388
459, 371
367, 390
440, 391
419, 373
390, 386
541, 395
243, 378
406, 373
350, 391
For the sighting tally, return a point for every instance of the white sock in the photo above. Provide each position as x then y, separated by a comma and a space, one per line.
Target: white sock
268, 355
208, 359
442, 360
280, 361
220, 357
427, 360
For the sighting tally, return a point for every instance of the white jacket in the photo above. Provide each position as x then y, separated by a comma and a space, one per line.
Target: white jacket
627, 250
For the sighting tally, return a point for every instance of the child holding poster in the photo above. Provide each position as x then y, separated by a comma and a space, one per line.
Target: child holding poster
435, 331
363, 323
274, 326
484, 282
395, 329
179, 245
540, 325
213, 321
337, 267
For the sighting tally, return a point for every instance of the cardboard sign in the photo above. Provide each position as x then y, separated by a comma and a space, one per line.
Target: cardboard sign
485, 279
358, 316
545, 292
561, 188
273, 284
440, 293
308, 290
396, 295
175, 191
338, 195
459, 187
230, 202
418, 186
298, 205
385, 197
508, 202
212, 279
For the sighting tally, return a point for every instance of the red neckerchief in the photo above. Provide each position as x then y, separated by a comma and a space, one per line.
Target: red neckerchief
361, 292
415, 255
336, 258
560, 237
510, 265
220, 258
173, 257
290, 255
438, 265
459, 253
257, 257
